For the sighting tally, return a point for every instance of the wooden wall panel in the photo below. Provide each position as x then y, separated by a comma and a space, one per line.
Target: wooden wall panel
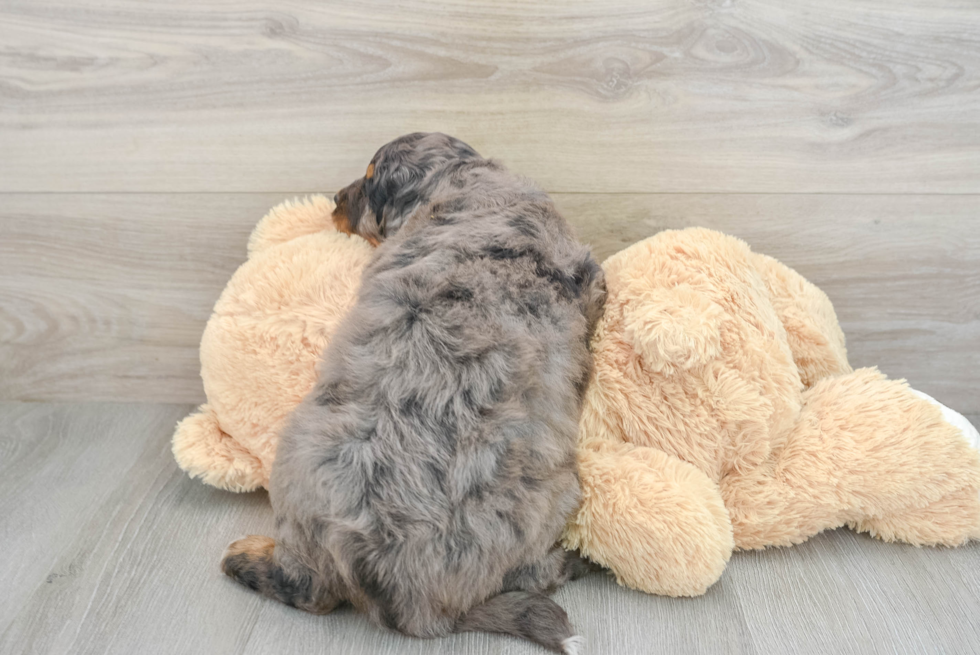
105, 296
632, 96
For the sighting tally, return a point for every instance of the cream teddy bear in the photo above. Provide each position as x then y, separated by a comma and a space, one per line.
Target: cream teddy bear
722, 414
263, 341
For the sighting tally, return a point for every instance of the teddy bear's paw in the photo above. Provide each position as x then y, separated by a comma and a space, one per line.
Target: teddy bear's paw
659, 524
959, 422
205, 451
932, 466
676, 328
955, 419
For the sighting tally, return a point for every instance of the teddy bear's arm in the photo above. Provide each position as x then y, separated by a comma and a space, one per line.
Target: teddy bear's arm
291, 219
657, 522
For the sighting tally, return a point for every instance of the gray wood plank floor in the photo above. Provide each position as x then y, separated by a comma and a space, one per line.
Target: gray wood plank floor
109, 548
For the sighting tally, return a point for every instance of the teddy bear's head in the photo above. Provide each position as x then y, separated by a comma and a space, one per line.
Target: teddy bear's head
691, 355
262, 343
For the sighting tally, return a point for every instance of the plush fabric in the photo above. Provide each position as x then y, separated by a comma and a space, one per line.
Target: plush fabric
723, 414
262, 343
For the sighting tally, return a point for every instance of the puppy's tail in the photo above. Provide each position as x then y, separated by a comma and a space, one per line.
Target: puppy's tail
524, 614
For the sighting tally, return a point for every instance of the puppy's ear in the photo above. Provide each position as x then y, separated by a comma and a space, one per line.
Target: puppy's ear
393, 191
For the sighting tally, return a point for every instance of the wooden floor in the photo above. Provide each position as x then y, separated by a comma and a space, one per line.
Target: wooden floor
141, 141
109, 548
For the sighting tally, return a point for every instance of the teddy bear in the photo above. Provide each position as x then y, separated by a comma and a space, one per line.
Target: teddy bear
722, 414
262, 343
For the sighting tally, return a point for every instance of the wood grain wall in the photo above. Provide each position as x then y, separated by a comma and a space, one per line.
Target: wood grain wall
140, 142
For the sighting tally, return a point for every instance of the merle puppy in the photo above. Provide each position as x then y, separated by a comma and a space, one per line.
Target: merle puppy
428, 475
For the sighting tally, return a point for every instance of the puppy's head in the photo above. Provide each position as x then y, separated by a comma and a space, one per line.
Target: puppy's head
400, 177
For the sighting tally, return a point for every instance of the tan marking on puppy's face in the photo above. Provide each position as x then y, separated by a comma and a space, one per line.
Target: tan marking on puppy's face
341, 220
351, 205
370, 171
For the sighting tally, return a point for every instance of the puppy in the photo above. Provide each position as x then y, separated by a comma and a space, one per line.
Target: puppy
428, 475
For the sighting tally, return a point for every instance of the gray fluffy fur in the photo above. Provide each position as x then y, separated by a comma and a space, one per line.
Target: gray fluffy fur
427, 477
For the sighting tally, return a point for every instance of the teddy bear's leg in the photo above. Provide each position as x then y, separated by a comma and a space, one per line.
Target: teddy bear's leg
205, 451
867, 452
948, 521
657, 522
